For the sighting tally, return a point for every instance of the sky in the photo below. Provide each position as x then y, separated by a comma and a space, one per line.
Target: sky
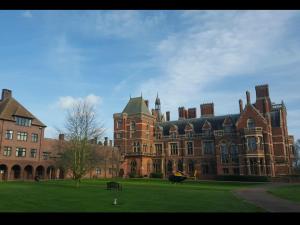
51, 59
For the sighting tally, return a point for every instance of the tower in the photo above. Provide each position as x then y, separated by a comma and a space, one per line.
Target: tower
158, 114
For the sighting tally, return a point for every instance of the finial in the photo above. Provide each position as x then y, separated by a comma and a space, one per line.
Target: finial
141, 94
130, 96
157, 95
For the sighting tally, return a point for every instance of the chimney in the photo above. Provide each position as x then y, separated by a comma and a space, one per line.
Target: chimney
207, 109
185, 113
6, 94
168, 115
180, 112
241, 105
262, 91
61, 137
147, 103
110, 143
192, 113
248, 97
105, 141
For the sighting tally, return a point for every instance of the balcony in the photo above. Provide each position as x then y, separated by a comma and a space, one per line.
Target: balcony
253, 131
140, 154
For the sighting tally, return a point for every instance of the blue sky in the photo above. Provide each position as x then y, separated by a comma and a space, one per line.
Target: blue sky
50, 59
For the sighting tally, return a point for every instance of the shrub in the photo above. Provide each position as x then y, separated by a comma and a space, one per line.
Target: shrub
243, 178
156, 175
132, 175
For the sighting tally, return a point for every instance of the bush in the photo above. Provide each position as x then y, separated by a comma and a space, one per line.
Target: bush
132, 175
243, 178
156, 175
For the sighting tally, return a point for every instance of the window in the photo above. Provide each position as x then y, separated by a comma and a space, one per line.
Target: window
158, 149
208, 147
190, 150
251, 143
9, 134
145, 148
205, 169
132, 125
157, 166
33, 153
158, 135
173, 135
191, 167
225, 171
21, 152
189, 134
119, 135
98, 171
227, 128
174, 148
22, 136
23, 121
180, 165
34, 137
46, 155
133, 166
136, 147
234, 153
224, 153
7, 151
119, 124
250, 123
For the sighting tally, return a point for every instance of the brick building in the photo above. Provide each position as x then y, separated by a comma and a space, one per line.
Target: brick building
25, 152
254, 141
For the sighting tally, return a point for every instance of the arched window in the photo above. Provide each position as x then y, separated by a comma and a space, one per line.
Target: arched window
234, 153
250, 123
133, 166
224, 153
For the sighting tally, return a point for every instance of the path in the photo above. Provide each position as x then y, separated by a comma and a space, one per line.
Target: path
261, 198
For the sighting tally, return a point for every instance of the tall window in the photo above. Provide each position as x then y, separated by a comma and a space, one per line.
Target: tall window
158, 135
136, 147
46, 155
119, 135
174, 148
119, 123
190, 150
7, 151
23, 121
20, 152
158, 149
33, 153
189, 134
132, 125
34, 137
145, 148
208, 147
234, 153
251, 143
9, 134
156, 166
170, 166
180, 165
98, 171
191, 167
173, 135
224, 153
133, 166
22, 136
250, 123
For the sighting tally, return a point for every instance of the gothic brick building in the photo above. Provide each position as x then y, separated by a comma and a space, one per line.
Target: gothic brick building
254, 141
25, 152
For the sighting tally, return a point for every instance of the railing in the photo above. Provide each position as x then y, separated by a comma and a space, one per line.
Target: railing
253, 130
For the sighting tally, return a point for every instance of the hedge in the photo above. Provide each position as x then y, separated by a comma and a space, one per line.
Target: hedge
156, 175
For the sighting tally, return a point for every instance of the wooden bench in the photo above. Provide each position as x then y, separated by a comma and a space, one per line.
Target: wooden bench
113, 186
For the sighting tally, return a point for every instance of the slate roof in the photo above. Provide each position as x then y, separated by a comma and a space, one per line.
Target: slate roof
10, 107
215, 121
136, 105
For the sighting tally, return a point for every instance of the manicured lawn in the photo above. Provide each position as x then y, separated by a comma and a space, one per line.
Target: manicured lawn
138, 195
291, 192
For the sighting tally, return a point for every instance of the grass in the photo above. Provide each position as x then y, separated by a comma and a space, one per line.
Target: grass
291, 192
138, 195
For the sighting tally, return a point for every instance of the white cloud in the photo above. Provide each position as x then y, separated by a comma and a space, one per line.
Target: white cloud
27, 14
66, 102
51, 132
216, 46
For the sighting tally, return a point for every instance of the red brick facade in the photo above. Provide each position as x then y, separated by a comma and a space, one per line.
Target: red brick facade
253, 142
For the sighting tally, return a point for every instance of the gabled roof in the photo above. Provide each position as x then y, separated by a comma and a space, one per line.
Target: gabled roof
135, 106
215, 121
10, 107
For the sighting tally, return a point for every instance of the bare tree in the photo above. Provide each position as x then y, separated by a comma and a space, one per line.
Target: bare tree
77, 153
297, 156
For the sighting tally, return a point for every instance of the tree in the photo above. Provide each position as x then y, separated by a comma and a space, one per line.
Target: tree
297, 155
77, 154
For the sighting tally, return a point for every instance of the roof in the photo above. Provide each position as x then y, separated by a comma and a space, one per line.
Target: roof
135, 106
10, 107
215, 121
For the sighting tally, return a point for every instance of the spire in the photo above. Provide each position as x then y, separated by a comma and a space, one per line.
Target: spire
157, 100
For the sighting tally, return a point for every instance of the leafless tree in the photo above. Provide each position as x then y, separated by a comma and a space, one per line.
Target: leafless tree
77, 153
297, 156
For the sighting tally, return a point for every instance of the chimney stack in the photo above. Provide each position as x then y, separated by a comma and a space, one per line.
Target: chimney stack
241, 105
6, 94
181, 112
192, 113
61, 137
105, 141
147, 103
168, 115
207, 109
248, 97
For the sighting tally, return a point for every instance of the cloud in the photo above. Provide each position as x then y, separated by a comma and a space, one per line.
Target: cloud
51, 132
217, 46
67, 102
27, 14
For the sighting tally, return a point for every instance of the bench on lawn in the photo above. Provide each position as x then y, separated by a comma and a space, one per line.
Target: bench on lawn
113, 186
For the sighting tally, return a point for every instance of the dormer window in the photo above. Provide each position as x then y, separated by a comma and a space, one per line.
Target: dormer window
250, 123
21, 121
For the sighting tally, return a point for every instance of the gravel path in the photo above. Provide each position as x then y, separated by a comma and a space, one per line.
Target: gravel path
261, 198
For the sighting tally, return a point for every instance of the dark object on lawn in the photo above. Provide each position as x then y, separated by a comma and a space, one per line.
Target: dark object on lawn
177, 177
113, 186
37, 178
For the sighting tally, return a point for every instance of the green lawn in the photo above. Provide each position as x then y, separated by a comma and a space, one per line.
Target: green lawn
138, 195
291, 192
